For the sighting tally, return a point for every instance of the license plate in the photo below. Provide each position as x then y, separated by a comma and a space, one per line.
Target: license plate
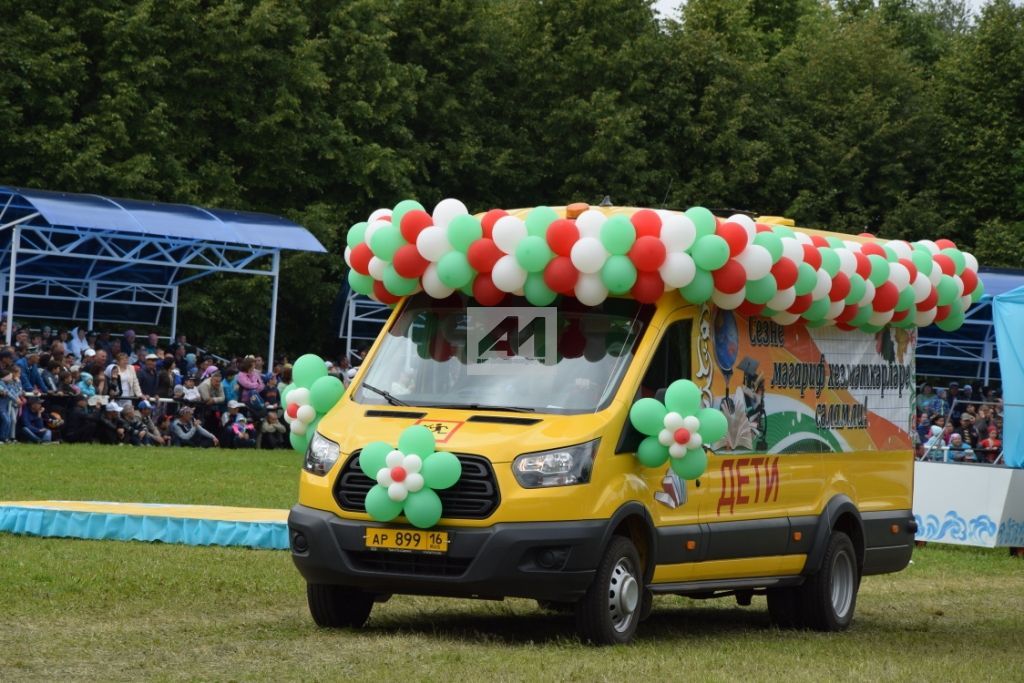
409, 541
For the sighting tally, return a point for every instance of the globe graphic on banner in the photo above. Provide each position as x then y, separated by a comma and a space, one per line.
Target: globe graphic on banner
727, 343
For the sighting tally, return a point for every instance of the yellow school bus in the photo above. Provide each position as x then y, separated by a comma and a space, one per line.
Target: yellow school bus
808, 491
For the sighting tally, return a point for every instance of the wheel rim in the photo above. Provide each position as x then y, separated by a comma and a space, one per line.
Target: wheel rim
842, 584
623, 596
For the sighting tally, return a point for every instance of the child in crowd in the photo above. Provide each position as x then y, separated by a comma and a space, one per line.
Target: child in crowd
191, 392
273, 433
5, 407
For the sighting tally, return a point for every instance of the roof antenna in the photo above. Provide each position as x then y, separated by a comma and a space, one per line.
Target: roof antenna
607, 201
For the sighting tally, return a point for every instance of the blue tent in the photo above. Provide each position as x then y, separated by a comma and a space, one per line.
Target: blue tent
87, 258
1009, 323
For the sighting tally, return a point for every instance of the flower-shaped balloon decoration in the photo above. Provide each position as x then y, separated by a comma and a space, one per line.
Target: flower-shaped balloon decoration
407, 477
312, 394
677, 429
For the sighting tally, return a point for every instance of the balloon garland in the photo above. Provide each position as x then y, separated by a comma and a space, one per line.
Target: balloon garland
677, 429
407, 477
308, 398
735, 263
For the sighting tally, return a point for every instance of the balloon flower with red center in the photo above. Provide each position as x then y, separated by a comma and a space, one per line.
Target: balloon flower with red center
677, 429
407, 477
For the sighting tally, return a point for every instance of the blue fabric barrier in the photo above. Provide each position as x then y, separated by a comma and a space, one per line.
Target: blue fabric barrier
1008, 316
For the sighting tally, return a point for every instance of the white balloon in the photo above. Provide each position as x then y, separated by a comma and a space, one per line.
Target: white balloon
925, 318
446, 210
397, 492
384, 477
803, 238
822, 287
299, 396
869, 294
673, 421
930, 246
936, 275
588, 255
852, 246
695, 442
880, 317
899, 276
922, 287
373, 227
959, 285
589, 223
412, 463
380, 215
785, 318
793, 250
783, 299
677, 450
902, 249
288, 418
432, 243
965, 303
678, 270
677, 232
299, 427
691, 423
394, 458
414, 482
377, 266
847, 261
348, 256
590, 290
306, 413
729, 302
834, 309
508, 232
970, 262
432, 284
747, 222
756, 261
665, 438
507, 274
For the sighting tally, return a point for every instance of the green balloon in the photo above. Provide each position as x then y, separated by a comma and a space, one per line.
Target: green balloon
783, 231
957, 257
905, 300
533, 254
761, 291
683, 397
441, 470
813, 324
863, 314
356, 234
879, 270
651, 453
283, 390
829, 260
768, 312
299, 442
648, 416
380, 506
890, 255
325, 393
835, 243
536, 290
403, 207
692, 465
922, 259
703, 220
946, 290
817, 310
538, 220
618, 274
417, 440
360, 283
386, 241
618, 234
308, 369
713, 425
953, 321
454, 270
398, 285
806, 279
463, 231
423, 508
700, 288
857, 288
978, 292
710, 252
771, 242
871, 329
373, 456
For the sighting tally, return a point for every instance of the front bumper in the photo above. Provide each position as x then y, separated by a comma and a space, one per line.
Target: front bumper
543, 560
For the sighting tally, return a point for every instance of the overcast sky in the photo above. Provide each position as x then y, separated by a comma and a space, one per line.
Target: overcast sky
670, 8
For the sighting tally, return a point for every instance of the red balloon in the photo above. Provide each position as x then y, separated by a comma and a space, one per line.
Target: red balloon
735, 236
909, 265
945, 263
846, 328
840, 287
929, 301
761, 227
749, 309
945, 244
801, 304
682, 435
865, 234
483, 254
292, 410
649, 286
647, 254
942, 312
900, 315
812, 256
441, 350
647, 223
408, 262
785, 273
484, 291
970, 279
731, 277
873, 248
886, 296
360, 258
560, 275
413, 223
819, 241
848, 314
863, 264
490, 218
573, 342
562, 234
382, 295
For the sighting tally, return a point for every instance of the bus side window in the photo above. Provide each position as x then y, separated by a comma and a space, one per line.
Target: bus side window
671, 361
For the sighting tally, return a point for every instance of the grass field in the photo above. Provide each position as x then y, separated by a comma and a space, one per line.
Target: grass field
91, 610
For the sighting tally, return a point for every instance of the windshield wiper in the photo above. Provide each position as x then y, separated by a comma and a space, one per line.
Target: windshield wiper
479, 406
387, 397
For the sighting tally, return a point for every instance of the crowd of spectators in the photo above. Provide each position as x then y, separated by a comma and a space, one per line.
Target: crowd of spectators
959, 424
79, 385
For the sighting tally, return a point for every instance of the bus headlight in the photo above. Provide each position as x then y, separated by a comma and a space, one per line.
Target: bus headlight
321, 455
557, 467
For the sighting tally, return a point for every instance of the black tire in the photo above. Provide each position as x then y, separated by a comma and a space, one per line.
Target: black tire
338, 606
829, 597
646, 605
609, 612
784, 607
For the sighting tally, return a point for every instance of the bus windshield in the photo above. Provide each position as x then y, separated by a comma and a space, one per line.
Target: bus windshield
425, 358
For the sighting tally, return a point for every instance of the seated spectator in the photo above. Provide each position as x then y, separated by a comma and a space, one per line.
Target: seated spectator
85, 385
991, 446
50, 376
149, 377
243, 434
153, 433
111, 428
960, 451
31, 381
32, 427
191, 394
81, 422
231, 416
934, 448
186, 431
273, 433
249, 380
230, 384
211, 391
967, 431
